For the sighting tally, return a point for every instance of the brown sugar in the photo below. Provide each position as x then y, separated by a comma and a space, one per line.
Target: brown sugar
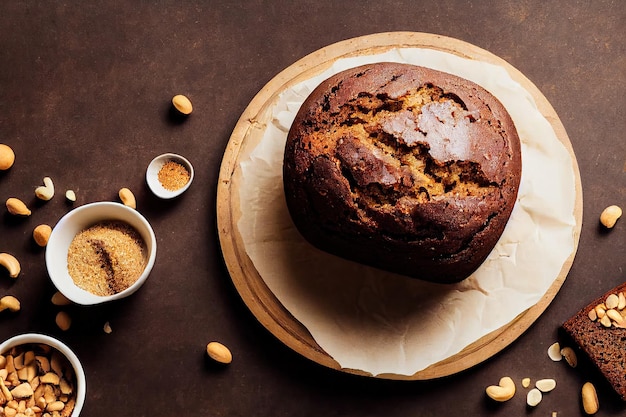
106, 258
173, 176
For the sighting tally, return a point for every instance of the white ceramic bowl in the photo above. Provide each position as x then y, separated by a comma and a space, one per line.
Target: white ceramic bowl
77, 220
152, 175
80, 383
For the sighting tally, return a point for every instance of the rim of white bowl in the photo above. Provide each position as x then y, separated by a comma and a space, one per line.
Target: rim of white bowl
33, 338
75, 221
152, 173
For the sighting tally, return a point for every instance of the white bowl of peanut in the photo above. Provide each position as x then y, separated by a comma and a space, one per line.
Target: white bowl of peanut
100, 252
43, 375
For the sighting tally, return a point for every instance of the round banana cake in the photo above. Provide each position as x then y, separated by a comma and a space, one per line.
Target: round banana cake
403, 168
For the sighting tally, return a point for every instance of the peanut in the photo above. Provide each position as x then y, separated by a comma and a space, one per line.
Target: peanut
504, 391
8, 302
58, 299
63, 320
7, 157
612, 301
545, 385
554, 352
107, 328
219, 353
609, 216
41, 234
589, 398
70, 195
533, 398
11, 263
17, 207
525, 382
23, 390
182, 104
570, 356
128, 198
46, 191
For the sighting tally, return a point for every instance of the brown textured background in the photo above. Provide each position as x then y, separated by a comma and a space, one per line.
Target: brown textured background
84, 99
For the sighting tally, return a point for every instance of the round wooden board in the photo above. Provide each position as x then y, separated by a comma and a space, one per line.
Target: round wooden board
249, 131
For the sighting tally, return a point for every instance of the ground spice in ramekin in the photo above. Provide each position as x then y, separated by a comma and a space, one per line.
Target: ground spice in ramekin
106, 258
173, 176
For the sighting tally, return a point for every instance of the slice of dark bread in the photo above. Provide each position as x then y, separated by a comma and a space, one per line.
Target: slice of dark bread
603, 341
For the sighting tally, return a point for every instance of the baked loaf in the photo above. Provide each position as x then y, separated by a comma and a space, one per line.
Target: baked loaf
403, 168
601, 339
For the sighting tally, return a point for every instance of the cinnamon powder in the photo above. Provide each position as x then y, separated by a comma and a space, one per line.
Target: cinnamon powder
173, 176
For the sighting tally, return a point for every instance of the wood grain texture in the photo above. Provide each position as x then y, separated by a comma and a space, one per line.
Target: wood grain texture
247, 134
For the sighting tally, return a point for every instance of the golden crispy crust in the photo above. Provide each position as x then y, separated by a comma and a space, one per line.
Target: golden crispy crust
403, 168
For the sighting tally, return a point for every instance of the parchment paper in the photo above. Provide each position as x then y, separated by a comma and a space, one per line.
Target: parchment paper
379, 322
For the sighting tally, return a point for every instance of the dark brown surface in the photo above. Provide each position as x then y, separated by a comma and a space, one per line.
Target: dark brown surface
423, 190
84, 99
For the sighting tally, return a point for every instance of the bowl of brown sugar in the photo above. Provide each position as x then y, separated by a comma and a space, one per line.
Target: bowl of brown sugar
169, 175
100, 252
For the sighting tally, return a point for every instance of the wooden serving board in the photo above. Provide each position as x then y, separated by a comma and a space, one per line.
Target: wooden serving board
249, 131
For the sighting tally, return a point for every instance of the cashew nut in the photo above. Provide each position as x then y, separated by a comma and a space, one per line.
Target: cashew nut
504, 391
128, 198
609, 216
8, 302
11, 263
17, 207
46, 191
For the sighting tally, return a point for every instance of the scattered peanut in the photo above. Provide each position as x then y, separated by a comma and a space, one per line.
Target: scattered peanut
545, 385
219, 353
589, 398
11, 263
182, 104
63, 320
533, 397
8, 302
610, 215
70, 195
525, 382
554, 352
7, 157
46, 191
570, 356
107, 328
504, 391
58, 299
128, 198
41, 234
17, 207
